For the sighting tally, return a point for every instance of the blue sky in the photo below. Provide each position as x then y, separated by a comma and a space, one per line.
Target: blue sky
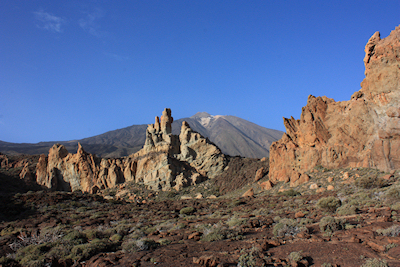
75, 69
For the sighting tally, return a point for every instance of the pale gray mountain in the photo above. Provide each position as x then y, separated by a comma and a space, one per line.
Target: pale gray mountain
233, 135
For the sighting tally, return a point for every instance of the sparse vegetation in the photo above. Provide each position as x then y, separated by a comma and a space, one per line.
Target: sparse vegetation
329, 224
375, 263
329, 203
391, 231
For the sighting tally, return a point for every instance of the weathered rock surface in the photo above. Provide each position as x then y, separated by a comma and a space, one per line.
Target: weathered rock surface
170, 161
166, 161
361, 132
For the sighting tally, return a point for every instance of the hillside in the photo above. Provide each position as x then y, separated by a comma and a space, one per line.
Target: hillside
233, 135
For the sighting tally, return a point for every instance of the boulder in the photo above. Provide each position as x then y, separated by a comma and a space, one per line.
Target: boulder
361, 132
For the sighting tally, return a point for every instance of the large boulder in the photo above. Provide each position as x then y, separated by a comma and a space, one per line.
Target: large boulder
361, 132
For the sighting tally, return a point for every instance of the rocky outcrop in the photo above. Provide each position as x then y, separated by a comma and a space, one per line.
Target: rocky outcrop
166, 161
170, 161
361, 132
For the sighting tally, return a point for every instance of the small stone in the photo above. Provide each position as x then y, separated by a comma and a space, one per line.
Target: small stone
212, 197
387, 176
346, 175
267, 185
193, 235
199, 196
299, 214
320, 190
330, 188
314, 186
330, 179
259, 174
249, 193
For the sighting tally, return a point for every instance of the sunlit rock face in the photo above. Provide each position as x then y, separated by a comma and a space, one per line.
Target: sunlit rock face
165, 162
361, 132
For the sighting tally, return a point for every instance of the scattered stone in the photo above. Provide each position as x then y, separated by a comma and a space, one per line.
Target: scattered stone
299, 214
259, 174
320, 190
267, 185
199, 196
330, 188
207, 261
212, 196
330, 179
313, 186
249, 193
387, 176
346, 175
186, 197
194, 235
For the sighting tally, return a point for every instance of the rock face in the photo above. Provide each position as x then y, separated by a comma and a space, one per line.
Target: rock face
361, 132
170, 161
166, 161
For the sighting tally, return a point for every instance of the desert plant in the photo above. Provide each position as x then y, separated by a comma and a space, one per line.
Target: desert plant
248, 259
287, 227
347, 210
187, 210
391, 231
329, 224
139, 245
235, 221
87, 250
393, 192
219, 232
291, 193
164, 242
390, 246
295, 256
329, 203
375, 263
369, 182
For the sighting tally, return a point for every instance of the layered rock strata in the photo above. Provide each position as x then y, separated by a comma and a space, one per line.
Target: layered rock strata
361, 132
166, 161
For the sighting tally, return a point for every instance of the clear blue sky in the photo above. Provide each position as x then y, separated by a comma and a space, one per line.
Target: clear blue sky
75, 69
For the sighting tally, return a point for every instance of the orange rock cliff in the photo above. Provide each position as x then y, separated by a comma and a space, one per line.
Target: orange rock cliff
361, 132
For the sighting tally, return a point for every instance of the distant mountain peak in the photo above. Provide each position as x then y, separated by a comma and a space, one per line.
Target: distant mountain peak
201, 115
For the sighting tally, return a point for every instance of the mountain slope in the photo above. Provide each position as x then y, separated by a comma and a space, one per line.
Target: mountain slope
233, 135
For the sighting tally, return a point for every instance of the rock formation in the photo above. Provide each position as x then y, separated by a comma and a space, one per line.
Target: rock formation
170, 161
361, 132
166, 161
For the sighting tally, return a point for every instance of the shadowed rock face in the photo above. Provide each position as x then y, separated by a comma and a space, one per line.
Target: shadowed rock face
361, 132
166, 161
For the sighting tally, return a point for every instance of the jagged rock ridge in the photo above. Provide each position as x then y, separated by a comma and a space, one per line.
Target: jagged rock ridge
361, 132
166, 161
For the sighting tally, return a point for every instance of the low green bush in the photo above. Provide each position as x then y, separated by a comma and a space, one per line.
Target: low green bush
295, 256
329, 224
375, 263
347, 210
287, 227
394, 230
329, 203
393, 193
291, 193
187, 210
369, 182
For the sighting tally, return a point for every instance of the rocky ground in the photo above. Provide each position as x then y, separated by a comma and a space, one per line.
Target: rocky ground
340, 217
